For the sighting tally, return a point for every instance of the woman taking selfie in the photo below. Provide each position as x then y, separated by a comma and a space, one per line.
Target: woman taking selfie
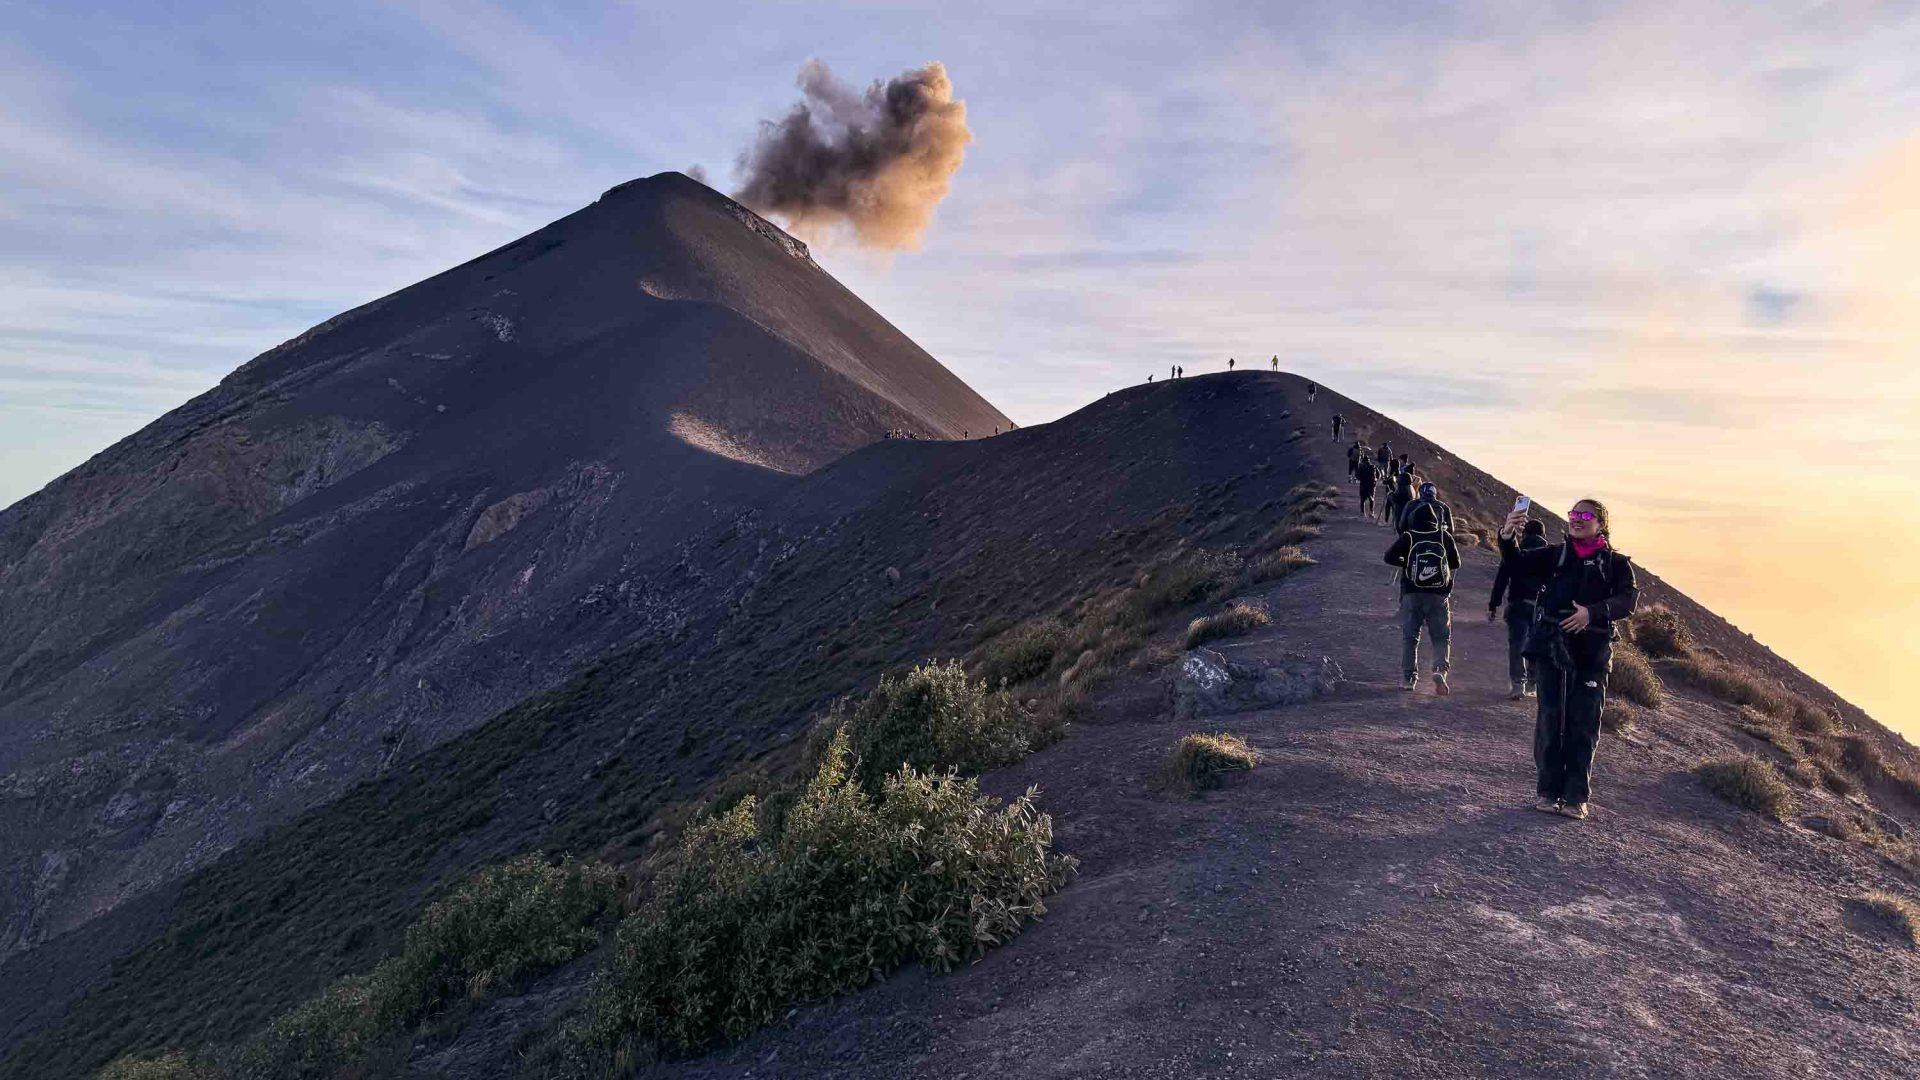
1589, 590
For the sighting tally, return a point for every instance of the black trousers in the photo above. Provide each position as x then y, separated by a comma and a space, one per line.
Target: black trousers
1520, 669
1568, 725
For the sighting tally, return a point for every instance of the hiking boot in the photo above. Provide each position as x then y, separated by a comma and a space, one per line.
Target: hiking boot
1409, 682
1547, 806
1577, 811
1440, 686
1532, 690
1518, 691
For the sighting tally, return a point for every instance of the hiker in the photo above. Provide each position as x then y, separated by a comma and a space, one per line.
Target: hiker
1354, 454
1276, 367
1149, 376
1426, 495
1384, 459
1403, 465
1172, 372
1427, 557
1312, 389
1338, 422
1521, 592
1399, 498
1229, 363
1589, 591
1179, 373
1365, 474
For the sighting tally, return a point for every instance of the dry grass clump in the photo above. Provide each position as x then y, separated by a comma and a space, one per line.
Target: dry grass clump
1898, 913
1279, 563
1193, 578
1197, 762
1751, 783
1241, 618
169, 1065
1618, 719
1023, 653
1658, 632
739, 927
1735, 685
1633, 678
1862, 758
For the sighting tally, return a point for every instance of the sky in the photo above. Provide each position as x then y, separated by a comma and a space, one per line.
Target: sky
1666, 254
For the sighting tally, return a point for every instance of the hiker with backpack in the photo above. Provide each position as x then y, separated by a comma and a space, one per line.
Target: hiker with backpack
1399, 498
1522, 591
1365, 474
1589, 591
1426, 495
1427, 556
1338, 422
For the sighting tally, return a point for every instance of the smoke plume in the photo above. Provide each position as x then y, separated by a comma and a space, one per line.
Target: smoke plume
878, 162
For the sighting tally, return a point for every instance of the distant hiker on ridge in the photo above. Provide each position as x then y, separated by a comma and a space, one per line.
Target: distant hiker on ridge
1384, 459
1590, 589
1521, 591
1172, 372
1354, 453
1338, 422
1312, 389
1365, 474
1229, 363
1276, 362
1427, 557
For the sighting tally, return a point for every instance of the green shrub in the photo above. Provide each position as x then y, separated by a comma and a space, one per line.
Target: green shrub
1241, 618
1658, 632
855, 886
1633, 678
1197, 762
1751, 783
504, 922
1897, 912
171, 1065
1022, 653
335, 1029
1280, 563
933, 717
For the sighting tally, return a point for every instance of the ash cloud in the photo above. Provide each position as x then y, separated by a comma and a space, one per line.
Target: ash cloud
877, 162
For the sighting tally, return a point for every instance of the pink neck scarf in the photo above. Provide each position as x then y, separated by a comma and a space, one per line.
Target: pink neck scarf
1586, 548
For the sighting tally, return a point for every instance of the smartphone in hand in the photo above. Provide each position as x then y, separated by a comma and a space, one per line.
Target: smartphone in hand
1522, 504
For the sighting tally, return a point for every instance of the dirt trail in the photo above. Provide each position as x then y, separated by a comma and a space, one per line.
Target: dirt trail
1377, 900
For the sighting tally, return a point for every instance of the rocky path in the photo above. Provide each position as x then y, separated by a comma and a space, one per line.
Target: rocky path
1377, 899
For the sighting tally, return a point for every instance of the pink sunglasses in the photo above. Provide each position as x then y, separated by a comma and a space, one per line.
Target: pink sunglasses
1582, 515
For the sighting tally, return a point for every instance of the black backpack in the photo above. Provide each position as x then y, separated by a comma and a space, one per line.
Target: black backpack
1427, 569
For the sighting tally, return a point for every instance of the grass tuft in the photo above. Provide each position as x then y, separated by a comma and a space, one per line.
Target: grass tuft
1241, 618
1749, 782
1618, 719
1899, 913
1023, 653
1279, 563
1633, 678
1197, 762
1658, 632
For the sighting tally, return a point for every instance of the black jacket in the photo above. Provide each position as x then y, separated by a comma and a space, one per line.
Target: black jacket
1442, 510
1520, 589
1603, 584
1397, 556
